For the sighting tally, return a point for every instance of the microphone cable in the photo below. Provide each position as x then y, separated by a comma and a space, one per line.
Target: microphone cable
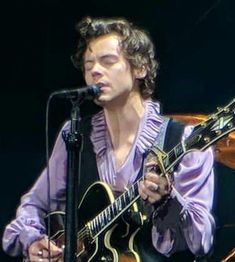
48, 175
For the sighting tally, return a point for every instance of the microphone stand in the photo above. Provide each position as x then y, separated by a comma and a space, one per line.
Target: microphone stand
73, 141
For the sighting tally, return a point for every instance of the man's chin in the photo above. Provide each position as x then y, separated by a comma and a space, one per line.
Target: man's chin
99, 102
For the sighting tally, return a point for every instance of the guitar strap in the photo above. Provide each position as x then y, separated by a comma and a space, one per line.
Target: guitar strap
173, 134
169, 136
89, 170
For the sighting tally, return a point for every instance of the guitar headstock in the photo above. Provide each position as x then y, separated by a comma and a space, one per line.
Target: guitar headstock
218, 125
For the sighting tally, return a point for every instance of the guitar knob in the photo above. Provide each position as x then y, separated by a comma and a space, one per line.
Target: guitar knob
218, 132
206, 139
108, 258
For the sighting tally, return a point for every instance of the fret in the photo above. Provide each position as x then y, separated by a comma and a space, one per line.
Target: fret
101, 219
179, 150
122, 202
115, 205
94, 228
118, 204
109, 213
126, 198
166, 161
129, 194
97, 223
132, 192
170, 158
105, 216
193, 140
174, 154
112, 210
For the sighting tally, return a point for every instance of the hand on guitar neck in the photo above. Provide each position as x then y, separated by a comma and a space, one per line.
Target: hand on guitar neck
154, 187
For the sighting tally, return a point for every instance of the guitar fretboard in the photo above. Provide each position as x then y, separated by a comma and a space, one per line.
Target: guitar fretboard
113, 211
173, 155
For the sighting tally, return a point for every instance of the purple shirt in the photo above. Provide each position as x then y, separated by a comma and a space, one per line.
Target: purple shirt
193, 188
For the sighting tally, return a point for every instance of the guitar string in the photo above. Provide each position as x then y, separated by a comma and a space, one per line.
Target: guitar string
85, 232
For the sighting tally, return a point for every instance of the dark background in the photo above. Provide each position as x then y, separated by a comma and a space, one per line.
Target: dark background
195, 46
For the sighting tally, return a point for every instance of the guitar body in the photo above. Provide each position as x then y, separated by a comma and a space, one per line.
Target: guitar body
109, 245
97, 197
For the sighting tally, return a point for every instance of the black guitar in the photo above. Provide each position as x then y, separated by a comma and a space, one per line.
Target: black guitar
99, 211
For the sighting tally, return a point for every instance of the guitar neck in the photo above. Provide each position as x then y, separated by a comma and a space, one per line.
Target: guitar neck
113, 211
173, 156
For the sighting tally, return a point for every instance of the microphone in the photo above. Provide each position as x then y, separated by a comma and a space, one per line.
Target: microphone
88, 92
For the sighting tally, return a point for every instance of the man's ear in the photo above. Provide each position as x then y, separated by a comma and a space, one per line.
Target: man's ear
141, 72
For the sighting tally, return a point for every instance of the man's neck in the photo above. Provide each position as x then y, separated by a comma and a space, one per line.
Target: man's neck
123, 121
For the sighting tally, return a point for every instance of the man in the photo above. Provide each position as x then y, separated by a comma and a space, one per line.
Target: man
119, 58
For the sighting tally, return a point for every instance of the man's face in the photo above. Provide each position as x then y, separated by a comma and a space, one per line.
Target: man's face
106, 66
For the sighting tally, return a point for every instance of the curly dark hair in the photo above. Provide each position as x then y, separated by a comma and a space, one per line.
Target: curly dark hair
136, 45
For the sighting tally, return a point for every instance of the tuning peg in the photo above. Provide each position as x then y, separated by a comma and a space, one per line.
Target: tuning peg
226, 110
214, 117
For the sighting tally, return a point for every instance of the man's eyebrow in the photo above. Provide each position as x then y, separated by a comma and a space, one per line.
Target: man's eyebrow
108, 55
89, 59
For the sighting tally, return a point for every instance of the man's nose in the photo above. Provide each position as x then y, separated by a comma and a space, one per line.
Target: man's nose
96, 70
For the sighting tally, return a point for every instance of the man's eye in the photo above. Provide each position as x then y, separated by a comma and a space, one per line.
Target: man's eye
88, 65
109, 60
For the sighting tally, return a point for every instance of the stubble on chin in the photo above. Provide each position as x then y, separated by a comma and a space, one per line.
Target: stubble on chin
99, 102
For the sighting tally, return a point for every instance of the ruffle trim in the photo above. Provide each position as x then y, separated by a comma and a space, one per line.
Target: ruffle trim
151, 126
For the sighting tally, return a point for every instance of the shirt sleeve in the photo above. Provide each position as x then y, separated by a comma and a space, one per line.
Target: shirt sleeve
186, 221
29, 224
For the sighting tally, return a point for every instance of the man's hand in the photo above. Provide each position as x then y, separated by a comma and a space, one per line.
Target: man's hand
38, 251
153, 187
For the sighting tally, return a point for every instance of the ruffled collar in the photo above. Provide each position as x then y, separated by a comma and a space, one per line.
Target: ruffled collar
150, 123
